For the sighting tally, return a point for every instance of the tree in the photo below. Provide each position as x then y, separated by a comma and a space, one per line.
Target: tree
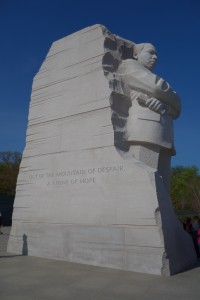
185, 188
9, 169
195, 192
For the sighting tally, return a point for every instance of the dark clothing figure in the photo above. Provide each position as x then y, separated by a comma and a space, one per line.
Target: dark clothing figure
187, 225
1, 222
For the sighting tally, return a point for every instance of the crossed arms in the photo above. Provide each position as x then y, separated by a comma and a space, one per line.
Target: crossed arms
154, 92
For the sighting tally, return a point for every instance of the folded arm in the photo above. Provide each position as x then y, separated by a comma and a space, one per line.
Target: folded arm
138, 78
156, 105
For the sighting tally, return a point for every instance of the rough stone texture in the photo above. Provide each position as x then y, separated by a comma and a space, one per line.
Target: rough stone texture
78, 198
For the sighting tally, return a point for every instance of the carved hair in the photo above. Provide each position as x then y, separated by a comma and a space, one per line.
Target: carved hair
138, 48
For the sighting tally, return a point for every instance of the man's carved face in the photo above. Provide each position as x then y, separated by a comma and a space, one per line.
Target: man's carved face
147, 57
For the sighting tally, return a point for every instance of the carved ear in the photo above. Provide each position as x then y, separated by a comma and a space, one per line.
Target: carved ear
135, 56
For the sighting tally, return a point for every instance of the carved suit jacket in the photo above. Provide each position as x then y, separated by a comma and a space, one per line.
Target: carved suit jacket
143, 124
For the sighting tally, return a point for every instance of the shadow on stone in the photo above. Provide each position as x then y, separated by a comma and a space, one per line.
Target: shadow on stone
9, 256
25, 245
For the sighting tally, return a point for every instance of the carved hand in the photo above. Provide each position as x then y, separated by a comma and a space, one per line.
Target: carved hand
159, 107
155, 105
152, 103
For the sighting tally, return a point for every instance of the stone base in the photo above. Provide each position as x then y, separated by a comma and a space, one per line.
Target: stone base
114, 213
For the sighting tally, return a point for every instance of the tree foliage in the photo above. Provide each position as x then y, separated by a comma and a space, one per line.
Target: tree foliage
185, 188
9, 169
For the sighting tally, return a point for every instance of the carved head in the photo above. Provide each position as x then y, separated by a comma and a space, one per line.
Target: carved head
145, 53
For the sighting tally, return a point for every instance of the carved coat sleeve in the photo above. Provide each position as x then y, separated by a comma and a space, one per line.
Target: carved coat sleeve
137, 77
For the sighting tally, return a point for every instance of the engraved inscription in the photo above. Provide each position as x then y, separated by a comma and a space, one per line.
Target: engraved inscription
73, 177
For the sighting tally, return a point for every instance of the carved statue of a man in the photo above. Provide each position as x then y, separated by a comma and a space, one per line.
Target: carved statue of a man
154, 106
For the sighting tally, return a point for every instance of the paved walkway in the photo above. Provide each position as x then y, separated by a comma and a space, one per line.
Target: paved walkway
30, 278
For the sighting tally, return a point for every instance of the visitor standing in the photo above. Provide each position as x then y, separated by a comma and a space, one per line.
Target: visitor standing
1, 222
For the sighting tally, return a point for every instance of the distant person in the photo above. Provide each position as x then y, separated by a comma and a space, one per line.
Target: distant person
198, 240
196, 234
195, 223
1, 222
187, 225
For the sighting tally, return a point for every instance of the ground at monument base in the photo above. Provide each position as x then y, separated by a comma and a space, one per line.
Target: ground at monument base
31, 278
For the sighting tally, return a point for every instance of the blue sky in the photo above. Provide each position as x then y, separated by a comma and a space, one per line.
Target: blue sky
29, 27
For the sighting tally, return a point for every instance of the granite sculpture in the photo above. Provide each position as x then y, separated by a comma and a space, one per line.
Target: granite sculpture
154, 105
93, 185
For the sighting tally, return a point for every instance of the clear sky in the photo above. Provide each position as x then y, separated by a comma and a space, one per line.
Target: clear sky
29, 27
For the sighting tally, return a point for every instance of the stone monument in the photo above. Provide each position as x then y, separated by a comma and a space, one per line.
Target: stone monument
93, 185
